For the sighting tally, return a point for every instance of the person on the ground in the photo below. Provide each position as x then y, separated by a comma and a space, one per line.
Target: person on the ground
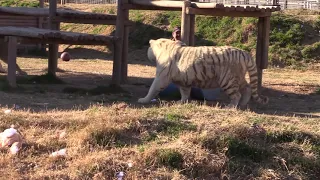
176, 34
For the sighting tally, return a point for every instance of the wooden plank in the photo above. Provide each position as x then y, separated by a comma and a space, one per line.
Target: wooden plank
17, 17
24, 24
26, 11
61, 41
117, 60
12, 60
141, 7
168, 4
221, 12
192, 29
185, 23
125, 49
92, 21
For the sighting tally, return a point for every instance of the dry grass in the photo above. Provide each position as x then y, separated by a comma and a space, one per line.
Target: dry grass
107, 131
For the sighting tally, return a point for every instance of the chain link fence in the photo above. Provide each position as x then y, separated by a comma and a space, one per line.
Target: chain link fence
284, 4
85, 1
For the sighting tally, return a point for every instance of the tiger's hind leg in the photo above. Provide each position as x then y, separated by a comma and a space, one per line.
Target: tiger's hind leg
245, 95
230, 86
185, 94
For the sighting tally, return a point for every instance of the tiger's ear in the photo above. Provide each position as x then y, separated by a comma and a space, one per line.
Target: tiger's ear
151, 41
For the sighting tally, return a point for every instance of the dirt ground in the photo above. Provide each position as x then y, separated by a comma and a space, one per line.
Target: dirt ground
291, 92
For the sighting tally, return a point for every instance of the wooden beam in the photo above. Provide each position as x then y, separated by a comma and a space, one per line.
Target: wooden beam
168, 4
222, 12
117, 60
12, 60
64, 41
91, 21
142, 7
185, 23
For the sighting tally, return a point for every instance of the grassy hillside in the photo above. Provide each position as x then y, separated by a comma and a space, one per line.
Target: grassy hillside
293, 39
19, 3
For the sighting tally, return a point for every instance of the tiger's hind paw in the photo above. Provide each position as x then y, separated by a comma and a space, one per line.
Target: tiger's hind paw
143, 101
263, 100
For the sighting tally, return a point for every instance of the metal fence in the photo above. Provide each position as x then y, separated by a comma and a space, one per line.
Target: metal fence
284, 4
85, 1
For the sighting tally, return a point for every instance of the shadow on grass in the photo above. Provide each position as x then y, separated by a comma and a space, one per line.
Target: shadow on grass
71, 90
254, 154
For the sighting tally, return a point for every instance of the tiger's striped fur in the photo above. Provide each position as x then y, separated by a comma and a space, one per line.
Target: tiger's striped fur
203, 67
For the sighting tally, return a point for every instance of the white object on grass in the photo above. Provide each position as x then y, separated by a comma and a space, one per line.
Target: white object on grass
120, 175
9, 132
61, 152
8, 111
14, 149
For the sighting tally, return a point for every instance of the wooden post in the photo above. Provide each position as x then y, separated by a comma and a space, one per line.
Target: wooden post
265, 45
262, 47
259, 51
53, 48
125, 46
192, 29
12, 60
40, 23
185, 23
117, 58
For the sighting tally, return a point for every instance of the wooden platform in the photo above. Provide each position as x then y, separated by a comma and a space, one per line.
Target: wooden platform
10, 36
63, 15
177, 6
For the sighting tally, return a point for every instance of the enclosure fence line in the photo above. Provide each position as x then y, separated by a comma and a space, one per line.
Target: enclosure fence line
284, 4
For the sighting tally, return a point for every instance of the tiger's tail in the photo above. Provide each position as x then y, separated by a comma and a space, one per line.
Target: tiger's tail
253, 74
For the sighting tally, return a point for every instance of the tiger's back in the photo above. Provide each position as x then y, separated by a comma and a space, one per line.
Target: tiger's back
201, 66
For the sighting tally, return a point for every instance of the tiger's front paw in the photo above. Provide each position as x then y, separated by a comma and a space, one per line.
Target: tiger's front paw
143, 101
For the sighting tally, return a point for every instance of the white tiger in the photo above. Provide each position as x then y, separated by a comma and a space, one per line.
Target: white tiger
203, 67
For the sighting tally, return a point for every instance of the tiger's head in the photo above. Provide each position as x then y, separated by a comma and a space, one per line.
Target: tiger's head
157, 47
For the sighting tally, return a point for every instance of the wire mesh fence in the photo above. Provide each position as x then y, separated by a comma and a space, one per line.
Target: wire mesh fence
284, 4
85, 1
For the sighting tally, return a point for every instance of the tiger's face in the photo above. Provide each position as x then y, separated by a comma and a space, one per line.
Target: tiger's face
156, 46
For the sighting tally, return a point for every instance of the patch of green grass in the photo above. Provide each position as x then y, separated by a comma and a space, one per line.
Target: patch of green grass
109, 138
173, 125
170, 158
240, 149
311, 51
19, 3
98, 29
